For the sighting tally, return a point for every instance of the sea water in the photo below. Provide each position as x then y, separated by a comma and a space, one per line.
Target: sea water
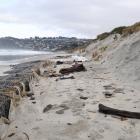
11, 56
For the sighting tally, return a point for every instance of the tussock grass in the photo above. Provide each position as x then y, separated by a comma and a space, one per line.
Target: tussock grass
122, 30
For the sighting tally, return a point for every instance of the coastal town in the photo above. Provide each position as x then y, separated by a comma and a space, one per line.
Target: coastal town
44, 43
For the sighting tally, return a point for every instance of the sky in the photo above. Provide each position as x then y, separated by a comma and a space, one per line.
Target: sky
70, 18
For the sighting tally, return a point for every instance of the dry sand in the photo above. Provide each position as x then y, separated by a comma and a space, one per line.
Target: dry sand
72, 118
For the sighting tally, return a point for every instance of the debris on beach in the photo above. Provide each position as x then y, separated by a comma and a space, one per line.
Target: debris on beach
34, 102
77, 58
123, 113
65, 77
108, 94
30, 94
32, 98
69, 123
59, 62
50, 73
62, 56
54, 75
47, 108
80, 89
12, 134
84, 98
74, 68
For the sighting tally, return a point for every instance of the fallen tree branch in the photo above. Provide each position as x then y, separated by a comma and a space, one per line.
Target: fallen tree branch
122, 113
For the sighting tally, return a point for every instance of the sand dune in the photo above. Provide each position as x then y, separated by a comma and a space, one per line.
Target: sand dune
121, 55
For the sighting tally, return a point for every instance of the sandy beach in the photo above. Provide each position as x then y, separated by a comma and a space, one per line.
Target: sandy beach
65, 109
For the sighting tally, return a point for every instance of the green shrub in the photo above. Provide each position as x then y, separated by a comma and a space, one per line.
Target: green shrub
103, 36
131, 29
118, 30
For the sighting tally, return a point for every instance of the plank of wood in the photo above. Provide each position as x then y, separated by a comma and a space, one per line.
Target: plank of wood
123, 113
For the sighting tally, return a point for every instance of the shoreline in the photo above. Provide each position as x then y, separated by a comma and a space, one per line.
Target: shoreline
5, 65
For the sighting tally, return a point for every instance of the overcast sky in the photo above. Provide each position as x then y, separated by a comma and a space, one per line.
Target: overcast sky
80, 18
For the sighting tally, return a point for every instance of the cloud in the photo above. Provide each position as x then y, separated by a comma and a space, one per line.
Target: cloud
82, 18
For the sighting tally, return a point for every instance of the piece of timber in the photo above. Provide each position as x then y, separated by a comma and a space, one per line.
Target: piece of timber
123, 113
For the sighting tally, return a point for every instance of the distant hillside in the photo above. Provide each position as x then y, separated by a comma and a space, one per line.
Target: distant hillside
37, 43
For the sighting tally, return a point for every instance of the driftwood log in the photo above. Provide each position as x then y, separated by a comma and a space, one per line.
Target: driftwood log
74, 68
122, 113
59, 62
68, 77
64, 78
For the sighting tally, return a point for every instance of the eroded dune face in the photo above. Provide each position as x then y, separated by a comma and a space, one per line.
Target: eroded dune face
122, 55
126, 58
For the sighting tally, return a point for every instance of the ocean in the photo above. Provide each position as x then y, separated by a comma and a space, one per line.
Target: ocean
14, 56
